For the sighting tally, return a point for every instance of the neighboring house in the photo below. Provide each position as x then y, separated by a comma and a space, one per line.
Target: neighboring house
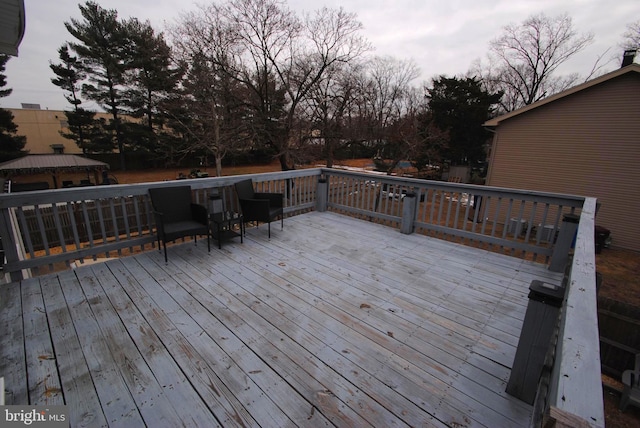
583, 141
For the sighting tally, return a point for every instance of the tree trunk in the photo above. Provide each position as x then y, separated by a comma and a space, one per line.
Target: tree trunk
218, 166
284, 162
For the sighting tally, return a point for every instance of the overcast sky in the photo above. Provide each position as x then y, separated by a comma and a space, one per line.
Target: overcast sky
441, 36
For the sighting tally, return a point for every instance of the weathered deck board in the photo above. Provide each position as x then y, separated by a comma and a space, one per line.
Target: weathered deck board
44, 383
12, 358
327, 295
76, 377
332, 322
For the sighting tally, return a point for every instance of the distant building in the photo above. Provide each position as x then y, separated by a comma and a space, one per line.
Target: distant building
42, 129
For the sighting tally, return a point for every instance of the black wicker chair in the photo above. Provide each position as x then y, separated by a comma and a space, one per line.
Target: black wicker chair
259, 206
177, 217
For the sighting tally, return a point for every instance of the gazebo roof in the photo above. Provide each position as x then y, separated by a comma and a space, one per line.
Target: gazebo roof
37, 164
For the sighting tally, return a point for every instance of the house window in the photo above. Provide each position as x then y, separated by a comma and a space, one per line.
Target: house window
58, 149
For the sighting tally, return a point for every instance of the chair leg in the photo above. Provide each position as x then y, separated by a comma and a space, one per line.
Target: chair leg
624, 399
282, 222
269, 227
164, 245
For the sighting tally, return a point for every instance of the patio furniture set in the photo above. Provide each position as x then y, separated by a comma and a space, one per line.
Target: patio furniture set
177, 216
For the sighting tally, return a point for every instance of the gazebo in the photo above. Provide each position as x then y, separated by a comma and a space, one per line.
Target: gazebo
54, 165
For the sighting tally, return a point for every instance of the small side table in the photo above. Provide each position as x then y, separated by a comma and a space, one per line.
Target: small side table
223, 226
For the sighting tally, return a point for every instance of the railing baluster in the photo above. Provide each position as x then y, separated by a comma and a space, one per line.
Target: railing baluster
125, 220
87, 225
58, 226
103, 230
114, 222
449, 206
71, 209
495, 217
43, 232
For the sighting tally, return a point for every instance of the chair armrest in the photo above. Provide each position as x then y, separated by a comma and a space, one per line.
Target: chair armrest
158, 215
199, 213
275, 199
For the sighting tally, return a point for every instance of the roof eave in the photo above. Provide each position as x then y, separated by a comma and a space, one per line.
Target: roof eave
492, 123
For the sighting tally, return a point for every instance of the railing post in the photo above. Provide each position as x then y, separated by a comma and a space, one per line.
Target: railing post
540, 323
322, 193
408, 213
560, 256
9, 236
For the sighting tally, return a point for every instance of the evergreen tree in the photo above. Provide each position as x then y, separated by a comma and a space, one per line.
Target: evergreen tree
460, 107
101, 49
150, 76
11, 144
81, 122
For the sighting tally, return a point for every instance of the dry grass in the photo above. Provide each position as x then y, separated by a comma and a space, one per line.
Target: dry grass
620, 271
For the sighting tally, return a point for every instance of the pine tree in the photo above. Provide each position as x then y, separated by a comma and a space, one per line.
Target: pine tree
11, 144
460, 107
150, 79
100, 48
81, 122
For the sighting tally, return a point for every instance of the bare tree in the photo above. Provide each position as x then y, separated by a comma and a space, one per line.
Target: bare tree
387, 96
278, 53
209, 110
275, 57
524, 60
327, 107
390, 80
632, 36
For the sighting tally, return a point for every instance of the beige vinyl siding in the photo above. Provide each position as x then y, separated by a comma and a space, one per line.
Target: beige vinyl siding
587, 143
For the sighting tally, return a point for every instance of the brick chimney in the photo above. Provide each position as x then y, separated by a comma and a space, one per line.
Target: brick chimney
628, 57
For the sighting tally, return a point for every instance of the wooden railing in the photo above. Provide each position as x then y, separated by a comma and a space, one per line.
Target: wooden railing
519, 223
575, 386
48, 228
45, 230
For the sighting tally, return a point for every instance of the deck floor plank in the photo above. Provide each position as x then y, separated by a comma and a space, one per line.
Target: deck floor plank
261, 332
118, 322
13, 364
293, 351
329, 330
117, 403
44, 382
333, 321
79, 391
481, 412
180, 334
244, 371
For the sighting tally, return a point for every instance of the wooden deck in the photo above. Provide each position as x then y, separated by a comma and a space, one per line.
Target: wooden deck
334, 321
